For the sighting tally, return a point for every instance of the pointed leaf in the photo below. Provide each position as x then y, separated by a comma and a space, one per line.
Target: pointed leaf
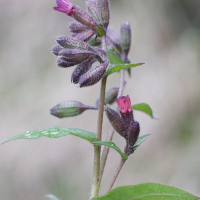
147, 191
144, 108
115, 68
51, 197
55, 132
139, 141
113, 58
113, 146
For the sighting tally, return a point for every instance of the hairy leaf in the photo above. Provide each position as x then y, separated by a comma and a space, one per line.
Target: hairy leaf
116, 68
144, 108
113, 58
55, 132
113, 146
147, 191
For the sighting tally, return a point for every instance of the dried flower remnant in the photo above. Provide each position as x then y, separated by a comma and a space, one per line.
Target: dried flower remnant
125, 125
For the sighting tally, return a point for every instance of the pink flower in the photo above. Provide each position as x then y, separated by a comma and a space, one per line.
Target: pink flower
64, 6
124, 104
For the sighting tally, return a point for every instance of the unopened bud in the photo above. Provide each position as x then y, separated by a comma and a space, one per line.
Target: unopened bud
110, 96
133, 133
76, 27
125, 32
84, 36
62, 63
116, 122
72, 43
93, 75
56, 49
69, 109
75, 55
81, 69
104, 12
82, 17
113, 38
92, 9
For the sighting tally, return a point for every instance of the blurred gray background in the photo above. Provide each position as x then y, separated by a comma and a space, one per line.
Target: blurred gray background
166, 36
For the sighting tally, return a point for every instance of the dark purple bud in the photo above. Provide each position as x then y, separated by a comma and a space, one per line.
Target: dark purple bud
93, 75
92, 9
75, 55
76, 27
84, 36
69, 109
62, 63
104, 12
116, 122
125, 32
72, 43
133, 133
82, 17
55, 49
81, 69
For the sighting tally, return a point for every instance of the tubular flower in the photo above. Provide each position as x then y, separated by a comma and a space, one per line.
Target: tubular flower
64, 6
125, 125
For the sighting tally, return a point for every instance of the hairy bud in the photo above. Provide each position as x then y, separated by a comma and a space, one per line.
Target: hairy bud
84, 36
125, 32
56, 49
76, 27
69, 109
62, 63
116, 122
75, 55
104, 12
93, 75
82, 17
81, 69
92, 8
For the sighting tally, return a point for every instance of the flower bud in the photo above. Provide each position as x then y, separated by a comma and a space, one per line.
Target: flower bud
134, 130
62, 63
84, 36
72, 43
92, 9
64, 6
82, 17
55, 49
69, 109
110, 96
76, 27
116, 122
104, 12
75, 55
93, 75
125, 32
81, 69
113, 38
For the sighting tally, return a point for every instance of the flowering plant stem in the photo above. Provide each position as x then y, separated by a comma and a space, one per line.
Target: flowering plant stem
97, 149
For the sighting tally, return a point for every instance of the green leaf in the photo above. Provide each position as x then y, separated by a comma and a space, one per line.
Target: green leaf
113, 58
115, 68
113, 146
55, 132
144, 108
147, 191
51, 197
139, 141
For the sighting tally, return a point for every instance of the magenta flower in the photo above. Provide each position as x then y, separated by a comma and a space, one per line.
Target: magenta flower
124, 104
64, 6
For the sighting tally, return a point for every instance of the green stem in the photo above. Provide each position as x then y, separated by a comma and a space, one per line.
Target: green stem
97, 149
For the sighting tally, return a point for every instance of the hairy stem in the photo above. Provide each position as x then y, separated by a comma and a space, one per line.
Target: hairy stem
115, 175
111, 131
97, 149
